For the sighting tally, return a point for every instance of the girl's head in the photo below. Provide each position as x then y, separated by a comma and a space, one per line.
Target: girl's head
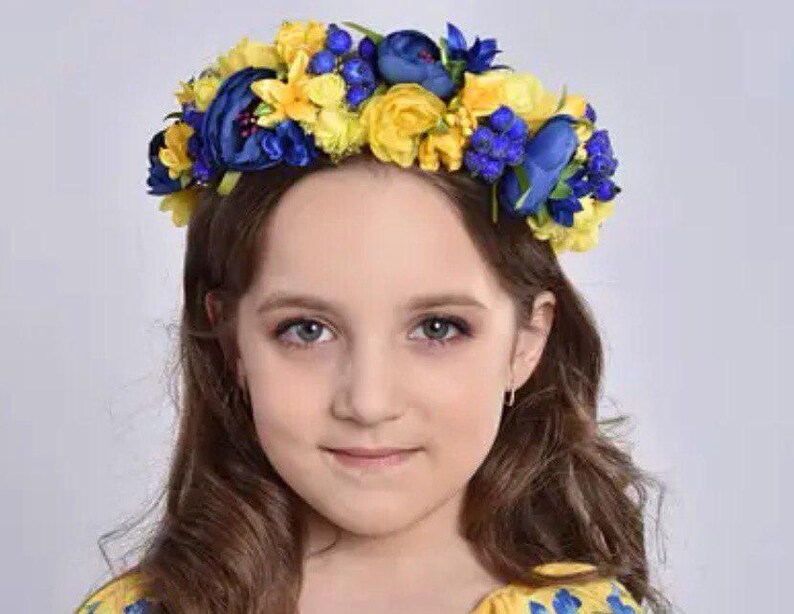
369, 305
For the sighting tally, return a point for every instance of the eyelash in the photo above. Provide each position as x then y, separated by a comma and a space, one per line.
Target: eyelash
460, 324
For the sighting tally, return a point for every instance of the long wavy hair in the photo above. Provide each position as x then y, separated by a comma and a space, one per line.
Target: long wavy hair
555, 485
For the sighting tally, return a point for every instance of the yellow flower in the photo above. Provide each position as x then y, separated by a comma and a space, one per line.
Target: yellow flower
483, 93
326, 90
396, 120
180, 204
580, 237
446, 147
290, 99
248, 53
294, 36
175, 155
338, 132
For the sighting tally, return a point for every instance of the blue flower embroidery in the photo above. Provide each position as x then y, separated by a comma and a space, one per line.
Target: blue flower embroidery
139, 607
616, 605
564, 603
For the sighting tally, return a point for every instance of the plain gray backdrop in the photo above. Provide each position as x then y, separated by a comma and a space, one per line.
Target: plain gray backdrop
689, 284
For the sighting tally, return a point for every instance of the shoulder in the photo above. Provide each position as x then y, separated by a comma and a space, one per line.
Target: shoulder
121, 595
600, 596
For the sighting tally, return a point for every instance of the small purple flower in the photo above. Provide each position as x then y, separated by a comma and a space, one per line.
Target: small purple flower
599, 165
478, 58
515, 153
474, 161
499, 146
580, 185
604, 189
492, 169
599, 143
322, 62
338, 41
518, 131
502, 119
562, 209
357, 94
590, 113
367, 48
356, 71
481, 139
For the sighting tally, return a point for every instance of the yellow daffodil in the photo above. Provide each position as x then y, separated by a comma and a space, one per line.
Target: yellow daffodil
396, 120
294, 36
249, 53
338, 132
180, 204
175, 155
201, 91
580, 237
290, 99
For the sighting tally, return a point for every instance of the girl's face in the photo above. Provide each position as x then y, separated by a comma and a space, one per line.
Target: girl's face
376, 324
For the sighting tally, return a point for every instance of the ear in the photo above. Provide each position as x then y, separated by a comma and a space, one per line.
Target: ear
212, 307
531, 339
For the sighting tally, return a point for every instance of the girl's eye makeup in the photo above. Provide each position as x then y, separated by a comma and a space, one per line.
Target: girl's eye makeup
435, 328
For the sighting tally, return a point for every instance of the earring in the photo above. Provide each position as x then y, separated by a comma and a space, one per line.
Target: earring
512, 389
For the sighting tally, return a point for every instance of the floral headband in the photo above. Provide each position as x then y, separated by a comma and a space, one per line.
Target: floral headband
313, 92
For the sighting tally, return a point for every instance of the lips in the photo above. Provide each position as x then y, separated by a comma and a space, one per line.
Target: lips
370, 452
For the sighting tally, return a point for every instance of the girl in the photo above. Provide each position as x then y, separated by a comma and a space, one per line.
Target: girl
352, 323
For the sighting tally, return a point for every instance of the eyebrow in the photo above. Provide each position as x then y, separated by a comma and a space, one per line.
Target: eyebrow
279, 300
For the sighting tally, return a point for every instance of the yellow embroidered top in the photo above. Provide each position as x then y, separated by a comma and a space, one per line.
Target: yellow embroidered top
602, 596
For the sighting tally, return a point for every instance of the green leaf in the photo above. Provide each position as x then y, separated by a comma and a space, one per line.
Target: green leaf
376, 38
561, 102
442, 45
570, 170
521, 175
228, 182
561, 190
174, 115
184, 179
263, 109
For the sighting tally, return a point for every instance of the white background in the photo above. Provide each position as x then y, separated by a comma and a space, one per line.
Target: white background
689, 284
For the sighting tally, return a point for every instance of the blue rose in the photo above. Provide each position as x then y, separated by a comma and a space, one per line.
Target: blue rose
409, 56
159, 181
545, 155
224, 146
288, 142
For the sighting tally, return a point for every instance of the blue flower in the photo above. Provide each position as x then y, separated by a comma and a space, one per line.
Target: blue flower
322, 62
545, 155
356, 71
600, 165
502, 119
478, 58
580, 185
409, 56
604, 189
224, 146
616, 605
338, 41
599, 143
356, 94
158, 181
562, 209
590, 113
481, 139
287, 142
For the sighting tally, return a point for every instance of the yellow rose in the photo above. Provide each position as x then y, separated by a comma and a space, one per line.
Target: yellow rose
338, 132
248, 53
327, 90
205, 89
483, 93
396, 120
175, 155
295, 35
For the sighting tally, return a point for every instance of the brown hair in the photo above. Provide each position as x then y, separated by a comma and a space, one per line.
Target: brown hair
553, 487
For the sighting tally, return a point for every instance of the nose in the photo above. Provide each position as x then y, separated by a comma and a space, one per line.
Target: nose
365, 392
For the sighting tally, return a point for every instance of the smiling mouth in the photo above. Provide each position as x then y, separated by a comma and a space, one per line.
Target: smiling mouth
371, 459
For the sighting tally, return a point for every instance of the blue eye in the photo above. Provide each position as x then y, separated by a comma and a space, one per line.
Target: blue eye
436, 327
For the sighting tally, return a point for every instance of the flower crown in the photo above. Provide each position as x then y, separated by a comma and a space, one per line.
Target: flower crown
312, 92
